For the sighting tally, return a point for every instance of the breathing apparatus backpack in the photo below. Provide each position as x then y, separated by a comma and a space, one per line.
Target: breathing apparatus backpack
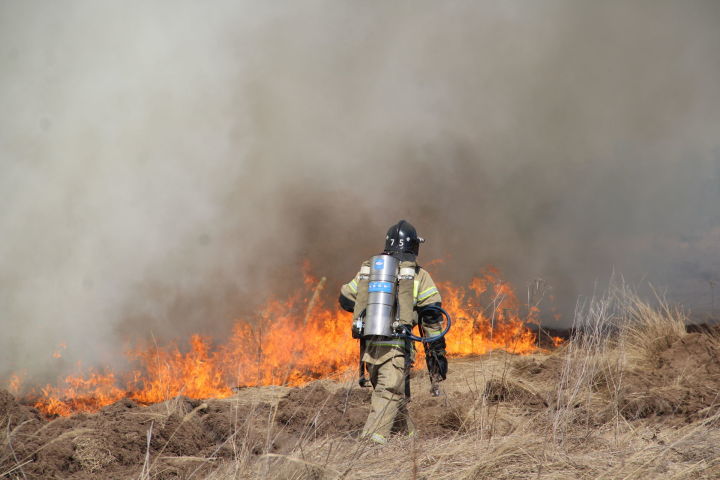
385, 307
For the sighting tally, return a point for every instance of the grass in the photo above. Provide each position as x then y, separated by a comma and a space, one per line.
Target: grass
560, 415
582, 433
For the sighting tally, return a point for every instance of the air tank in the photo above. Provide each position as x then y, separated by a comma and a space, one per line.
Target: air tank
381, 307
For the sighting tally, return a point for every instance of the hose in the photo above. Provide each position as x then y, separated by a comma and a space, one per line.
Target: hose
436, 337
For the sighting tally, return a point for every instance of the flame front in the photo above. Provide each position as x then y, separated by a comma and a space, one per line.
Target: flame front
294, 341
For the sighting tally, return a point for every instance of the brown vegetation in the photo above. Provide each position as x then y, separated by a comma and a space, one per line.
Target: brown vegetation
630, 396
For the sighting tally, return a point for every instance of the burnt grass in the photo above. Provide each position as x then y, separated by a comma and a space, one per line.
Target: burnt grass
186, 437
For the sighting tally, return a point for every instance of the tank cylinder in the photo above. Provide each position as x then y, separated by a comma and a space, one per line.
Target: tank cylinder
381, 306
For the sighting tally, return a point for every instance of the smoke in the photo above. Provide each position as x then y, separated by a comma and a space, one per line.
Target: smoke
167, 165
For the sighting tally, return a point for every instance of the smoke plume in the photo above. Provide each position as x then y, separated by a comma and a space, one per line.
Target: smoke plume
164, 166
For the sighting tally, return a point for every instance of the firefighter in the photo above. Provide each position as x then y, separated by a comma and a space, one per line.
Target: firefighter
388, 359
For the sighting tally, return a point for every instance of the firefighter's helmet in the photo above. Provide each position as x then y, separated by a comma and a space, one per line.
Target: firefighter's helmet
402, 238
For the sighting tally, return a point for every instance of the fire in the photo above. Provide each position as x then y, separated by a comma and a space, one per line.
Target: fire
302, 338
15, 383
487, 317
58, 353
80, 394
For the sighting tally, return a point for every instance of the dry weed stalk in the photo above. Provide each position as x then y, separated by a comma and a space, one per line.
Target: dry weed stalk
647, 330
612, 333
584, 357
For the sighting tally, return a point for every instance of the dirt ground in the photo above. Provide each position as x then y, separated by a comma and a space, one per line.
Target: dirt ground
190, 438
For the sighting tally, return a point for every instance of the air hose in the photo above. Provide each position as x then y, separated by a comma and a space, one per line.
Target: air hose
440, 335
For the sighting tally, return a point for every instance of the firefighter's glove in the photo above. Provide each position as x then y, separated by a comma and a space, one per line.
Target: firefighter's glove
429, 316
436, 359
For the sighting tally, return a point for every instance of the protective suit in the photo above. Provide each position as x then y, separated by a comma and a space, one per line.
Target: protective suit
386, 358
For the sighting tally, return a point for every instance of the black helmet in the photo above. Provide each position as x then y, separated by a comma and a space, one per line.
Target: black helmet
402, 238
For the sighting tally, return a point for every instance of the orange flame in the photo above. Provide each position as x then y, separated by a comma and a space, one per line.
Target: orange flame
293, 342
58, 353
15, 383
80, 394
487, 317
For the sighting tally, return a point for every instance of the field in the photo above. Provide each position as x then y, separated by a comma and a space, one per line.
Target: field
631, 395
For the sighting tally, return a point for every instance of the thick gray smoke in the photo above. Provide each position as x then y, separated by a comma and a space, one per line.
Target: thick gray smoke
166, 165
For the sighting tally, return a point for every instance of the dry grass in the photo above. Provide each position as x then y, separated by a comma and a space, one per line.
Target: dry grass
581, 432
648, 329
688, 452
578, 432
547, 416
92, 452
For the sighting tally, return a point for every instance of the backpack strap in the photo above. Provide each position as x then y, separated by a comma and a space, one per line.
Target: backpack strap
362, 290
406, 284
